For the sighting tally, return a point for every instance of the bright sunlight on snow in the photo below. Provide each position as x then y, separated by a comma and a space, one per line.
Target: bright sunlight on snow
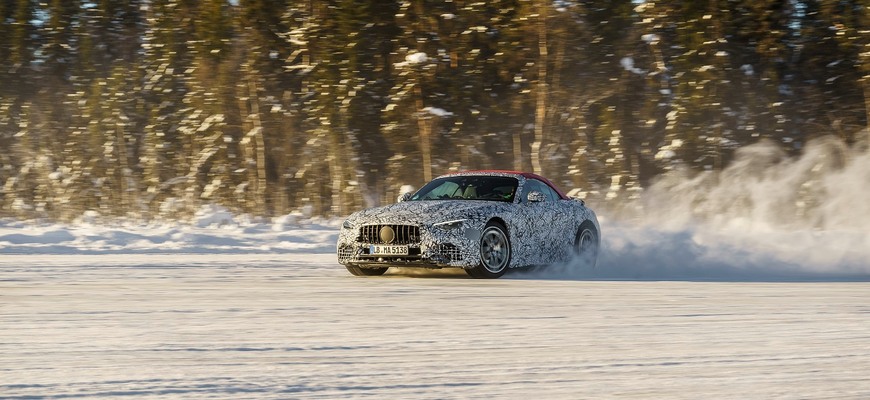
749, 283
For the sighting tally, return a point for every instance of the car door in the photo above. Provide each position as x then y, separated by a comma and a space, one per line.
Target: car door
539, 220
563, 231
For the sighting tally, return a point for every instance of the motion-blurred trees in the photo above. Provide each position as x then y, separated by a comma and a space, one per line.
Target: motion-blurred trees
147, 109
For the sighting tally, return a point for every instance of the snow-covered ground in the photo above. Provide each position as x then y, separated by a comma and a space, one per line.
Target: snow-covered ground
298, 326
226, 307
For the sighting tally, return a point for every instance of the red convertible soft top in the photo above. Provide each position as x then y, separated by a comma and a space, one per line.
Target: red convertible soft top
521, 173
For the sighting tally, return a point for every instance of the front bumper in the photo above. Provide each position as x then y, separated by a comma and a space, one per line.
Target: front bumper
436, 248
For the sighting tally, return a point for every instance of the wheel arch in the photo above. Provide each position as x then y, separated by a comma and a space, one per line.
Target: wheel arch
501, 222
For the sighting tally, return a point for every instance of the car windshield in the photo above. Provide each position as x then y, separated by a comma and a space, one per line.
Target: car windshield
490, 188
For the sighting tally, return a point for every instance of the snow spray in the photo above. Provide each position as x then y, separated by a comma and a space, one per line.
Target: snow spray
765, 217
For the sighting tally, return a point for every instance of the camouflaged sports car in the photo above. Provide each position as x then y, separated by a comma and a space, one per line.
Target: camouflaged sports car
482, 221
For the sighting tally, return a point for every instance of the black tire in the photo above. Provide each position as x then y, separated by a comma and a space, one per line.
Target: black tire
495, 252
360, 271
586, 244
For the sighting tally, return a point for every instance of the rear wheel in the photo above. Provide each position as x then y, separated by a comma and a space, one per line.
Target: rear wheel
586, 244
495, 252
360, 271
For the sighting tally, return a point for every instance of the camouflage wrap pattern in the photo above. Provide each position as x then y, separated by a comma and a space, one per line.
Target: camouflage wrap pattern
540, 233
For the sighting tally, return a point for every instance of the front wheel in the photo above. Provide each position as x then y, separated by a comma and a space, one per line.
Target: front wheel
360, 271
495, 252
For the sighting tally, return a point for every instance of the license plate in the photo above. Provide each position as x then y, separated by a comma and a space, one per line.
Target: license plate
381, 250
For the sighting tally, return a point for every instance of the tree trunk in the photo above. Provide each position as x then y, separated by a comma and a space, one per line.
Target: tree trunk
125, 169
259, 149
252, 143
867, 105
336, 174
541, 107
423, 124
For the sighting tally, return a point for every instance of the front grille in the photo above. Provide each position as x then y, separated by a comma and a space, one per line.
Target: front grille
402, 234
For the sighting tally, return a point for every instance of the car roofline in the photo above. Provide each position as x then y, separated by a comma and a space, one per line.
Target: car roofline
496, 172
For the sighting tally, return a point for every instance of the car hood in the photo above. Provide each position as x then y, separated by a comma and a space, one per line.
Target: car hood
427, 212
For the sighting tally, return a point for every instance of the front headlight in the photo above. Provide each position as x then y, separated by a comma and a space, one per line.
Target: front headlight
450, 225
347, 224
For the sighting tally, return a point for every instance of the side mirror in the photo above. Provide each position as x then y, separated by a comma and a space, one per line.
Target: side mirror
536, 197
404, 197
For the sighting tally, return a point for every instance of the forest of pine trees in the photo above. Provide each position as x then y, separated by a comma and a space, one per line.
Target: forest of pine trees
149, 109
